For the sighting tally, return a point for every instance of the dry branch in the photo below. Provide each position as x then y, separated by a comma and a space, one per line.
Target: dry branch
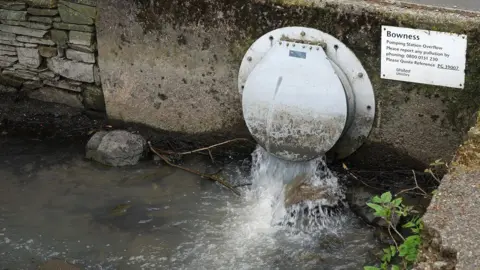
212, 177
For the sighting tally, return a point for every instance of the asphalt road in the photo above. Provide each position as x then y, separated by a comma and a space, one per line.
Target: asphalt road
461, 4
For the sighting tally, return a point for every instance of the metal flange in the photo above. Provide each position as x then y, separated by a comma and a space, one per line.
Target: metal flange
356, 82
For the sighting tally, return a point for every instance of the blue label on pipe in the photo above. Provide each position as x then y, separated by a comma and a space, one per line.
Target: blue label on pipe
298, 54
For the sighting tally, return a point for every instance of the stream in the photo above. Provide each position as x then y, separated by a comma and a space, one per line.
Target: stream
56, 204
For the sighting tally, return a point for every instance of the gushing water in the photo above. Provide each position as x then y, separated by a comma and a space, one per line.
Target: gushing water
260, 230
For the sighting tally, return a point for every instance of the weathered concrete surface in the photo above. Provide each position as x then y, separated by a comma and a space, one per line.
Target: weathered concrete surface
451, 220
173, 65
460, 4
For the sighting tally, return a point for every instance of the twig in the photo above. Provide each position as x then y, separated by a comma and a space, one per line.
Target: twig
391, 236
414, 188
202, 149
209, 176
354, 176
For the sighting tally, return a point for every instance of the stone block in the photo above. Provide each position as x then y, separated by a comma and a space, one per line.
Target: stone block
19, 30
22, 74
41, 19
8, 53
12, 5
13, 15
33, 25
55, 95
93, 98
6, 63
47, 75
7, 36
76, 13
80, 38
82, 48
35, 40
47, 51
29, 45
8, 48
42, 12
71, 69
43, 3
80, 56
29, 57
60, 37
65, 84
11, 43
57, 19
32, 85
74, 27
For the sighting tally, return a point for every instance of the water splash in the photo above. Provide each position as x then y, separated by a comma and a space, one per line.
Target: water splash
260, 230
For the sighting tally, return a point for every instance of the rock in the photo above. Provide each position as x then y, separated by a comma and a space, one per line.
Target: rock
40, 19
55, 95
8, 48
7, 36
440, 265
74, 27
93, 98
22, 31
64, 84
20, 66
47, 51
80, 38
2, 52
43, 3
10, 81
7, 61
32, 85
33, 25
71, 69
47, 75
12, 5
300, 189
13, 15
80, 56
59, 37
29, 45
12, 43
7, 89
358, 197
82, 48
76, 13
57, 19
42, 41
23, 74
116, 148
42, 12
57, 265
29, 57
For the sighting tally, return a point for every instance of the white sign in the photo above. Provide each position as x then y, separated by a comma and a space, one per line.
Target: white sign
423, 56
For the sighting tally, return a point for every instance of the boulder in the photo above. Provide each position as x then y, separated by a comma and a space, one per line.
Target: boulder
116, 148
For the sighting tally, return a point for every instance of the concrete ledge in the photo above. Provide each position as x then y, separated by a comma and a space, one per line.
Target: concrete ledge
172, 65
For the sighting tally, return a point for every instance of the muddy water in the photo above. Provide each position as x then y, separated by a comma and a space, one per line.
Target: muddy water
54, 204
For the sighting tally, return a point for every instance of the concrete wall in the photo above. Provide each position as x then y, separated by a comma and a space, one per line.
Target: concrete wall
48, 52
173, 64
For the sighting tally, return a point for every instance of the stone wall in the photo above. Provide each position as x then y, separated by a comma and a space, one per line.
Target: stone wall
48, 51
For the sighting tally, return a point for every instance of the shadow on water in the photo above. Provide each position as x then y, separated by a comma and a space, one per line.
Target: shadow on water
55, 204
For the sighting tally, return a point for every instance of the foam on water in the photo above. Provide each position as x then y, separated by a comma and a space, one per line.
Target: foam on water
260, 230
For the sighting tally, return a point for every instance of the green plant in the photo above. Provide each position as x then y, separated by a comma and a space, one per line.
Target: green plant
390, 209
